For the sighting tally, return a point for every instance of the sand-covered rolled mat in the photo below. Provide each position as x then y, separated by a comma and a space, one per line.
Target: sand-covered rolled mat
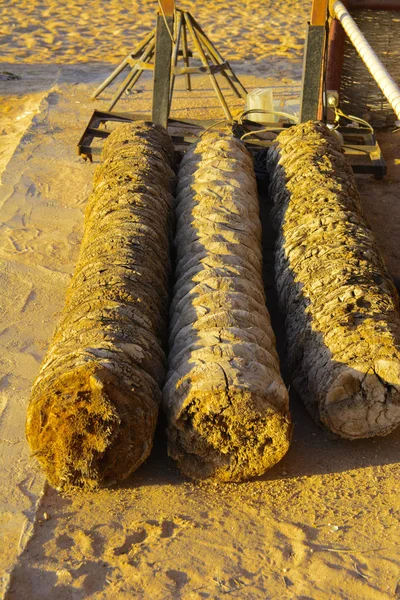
341, 307
94, 405
226, 404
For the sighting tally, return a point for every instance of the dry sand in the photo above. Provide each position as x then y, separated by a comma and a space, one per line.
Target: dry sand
324, 523
265, 35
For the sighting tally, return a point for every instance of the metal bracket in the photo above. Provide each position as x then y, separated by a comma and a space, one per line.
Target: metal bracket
363, 152
183, 133
360, 146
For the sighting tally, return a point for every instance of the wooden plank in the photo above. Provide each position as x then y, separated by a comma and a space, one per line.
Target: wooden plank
312, 73
319, 12
162, 70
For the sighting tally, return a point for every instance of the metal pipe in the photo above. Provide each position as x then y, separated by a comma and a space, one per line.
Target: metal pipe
385, 82
124, 64
134, 75
218, 60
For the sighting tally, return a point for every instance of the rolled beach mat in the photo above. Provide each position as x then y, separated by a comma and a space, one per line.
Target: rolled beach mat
226, 404
341, 307
94, 406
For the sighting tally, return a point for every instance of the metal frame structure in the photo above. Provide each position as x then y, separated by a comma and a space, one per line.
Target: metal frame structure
361, 150
168, 43
319, 73
182, 133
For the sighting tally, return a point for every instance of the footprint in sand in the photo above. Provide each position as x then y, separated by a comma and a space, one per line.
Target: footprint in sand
149, 531
179, 578
81, 543
291, 543
137, 537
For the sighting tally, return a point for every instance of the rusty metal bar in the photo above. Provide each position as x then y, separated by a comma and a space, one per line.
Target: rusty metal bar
142, 65
110, 78
175, 52
148, 65
210, 69
186, 55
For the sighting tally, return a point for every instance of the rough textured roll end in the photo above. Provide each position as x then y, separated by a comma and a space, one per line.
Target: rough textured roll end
83, 424
363, 401
230, 431
226, 403
94, 405
341, 307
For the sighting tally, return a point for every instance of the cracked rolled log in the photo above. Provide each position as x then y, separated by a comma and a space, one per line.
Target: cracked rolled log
341, 307
94, 405
226, 403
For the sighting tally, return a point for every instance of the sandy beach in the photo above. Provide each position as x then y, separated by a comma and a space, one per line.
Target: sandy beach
323, 523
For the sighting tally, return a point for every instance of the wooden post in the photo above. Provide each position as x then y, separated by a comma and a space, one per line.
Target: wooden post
313, 62
162, 67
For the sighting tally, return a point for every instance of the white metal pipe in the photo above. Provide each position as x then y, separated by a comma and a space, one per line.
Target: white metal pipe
388, 86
